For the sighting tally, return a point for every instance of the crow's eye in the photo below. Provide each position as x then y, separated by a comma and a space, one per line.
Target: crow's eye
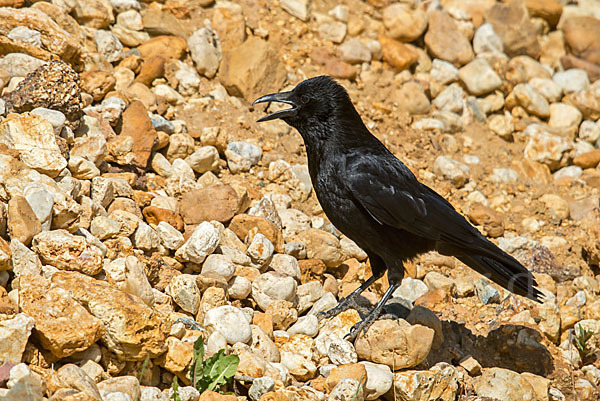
304, 99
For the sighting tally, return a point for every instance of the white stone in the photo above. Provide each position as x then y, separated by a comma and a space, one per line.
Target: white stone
443, 71
547, 87
220, 265
486, 40
564, 115
573, 80
241, 156
297, 8
185, 293
334, 31
204, 159
239, 287
379, 380
231, 322
272, 286
202, 242
341, 352
353, 51
589, 131
260, 250
33, 137
450, 98
451, 170
306, 325
41, 201
479, 77
129, 276
411, 289
286, 265
146, 238
14, 334
109, 45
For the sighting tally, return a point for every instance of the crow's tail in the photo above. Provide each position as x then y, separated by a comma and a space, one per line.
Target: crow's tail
503, 270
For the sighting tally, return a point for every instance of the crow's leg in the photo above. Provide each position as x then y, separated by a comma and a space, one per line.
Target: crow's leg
349, 301
378, 269
395, 276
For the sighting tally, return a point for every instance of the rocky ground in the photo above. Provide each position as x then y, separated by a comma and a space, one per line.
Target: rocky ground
138, 195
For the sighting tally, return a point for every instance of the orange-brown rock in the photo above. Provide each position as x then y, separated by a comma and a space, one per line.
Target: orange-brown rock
97, 83
582, 37
133, 329
165, 46
354, 371
588, 160
23, 224
242, 224
152, 68
51, 307
137, 125
445, 41
155, 215
397, 54
252, 69
487, 217
215, 202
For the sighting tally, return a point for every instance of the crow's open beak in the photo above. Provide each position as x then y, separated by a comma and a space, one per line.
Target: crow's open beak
281, 97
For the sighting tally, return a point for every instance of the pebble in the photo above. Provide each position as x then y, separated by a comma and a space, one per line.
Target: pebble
241, 156
450, 99
411, 289
202, 242
486, 40
219, 265
573, 80
272, 286
379, 380
454, 171
443, 71
206, 51
479, 77
334, 31
306, 325
19, 64
108, 45
486, 292
297, 8
260, 386
589, 131
353, 51
231, 322
531, 100
341, 352
564, 115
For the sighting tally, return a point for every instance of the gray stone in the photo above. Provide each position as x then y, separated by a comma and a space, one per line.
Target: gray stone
486, 292
411, 289
241, 156
206, 51
260, 386
108, 45
450, 99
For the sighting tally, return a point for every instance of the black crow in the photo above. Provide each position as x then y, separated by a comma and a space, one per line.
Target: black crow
374, 199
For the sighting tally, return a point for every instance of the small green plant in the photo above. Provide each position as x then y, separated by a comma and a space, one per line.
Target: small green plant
144, 366
581, 338
213, 373
175, 388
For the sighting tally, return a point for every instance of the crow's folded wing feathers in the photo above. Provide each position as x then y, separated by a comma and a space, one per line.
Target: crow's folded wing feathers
397, 199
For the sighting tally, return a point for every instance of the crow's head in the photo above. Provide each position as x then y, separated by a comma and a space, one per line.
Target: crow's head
313, 102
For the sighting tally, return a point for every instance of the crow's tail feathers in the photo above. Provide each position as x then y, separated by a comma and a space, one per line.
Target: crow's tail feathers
505, 271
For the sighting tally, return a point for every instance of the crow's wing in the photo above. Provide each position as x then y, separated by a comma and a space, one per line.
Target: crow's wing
392, 196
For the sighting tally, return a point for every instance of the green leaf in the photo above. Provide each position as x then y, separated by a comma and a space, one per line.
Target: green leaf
197, 365
175, 388
225, 369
